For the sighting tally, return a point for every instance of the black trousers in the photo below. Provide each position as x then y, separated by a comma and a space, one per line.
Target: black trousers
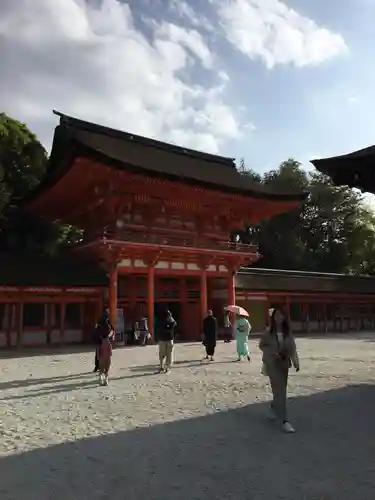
96, 360
210, 349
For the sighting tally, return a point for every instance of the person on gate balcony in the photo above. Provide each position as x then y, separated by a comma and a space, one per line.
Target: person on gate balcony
279, 353
210, 334
166, 340
242, 332
103, 328
228, 334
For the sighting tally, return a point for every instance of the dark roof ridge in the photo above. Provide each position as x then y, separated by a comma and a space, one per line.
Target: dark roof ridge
120, 134
354, 154
300, 273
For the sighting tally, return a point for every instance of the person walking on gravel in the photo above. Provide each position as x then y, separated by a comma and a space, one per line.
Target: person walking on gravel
102, 329
105, 358
210, 334
242, 332
227, 329
279, 353
166, 339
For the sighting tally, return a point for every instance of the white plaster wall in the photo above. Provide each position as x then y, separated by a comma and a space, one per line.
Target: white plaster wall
33, 338
314, 326
297, 326
73, 336
193, 267
125, 263
55, 337
162, 265
330, 326
139, 263
178, 265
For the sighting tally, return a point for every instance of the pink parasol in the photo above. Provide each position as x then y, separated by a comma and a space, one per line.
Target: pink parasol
240, 311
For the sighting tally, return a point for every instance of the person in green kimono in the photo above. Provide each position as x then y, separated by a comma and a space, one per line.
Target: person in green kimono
242, 330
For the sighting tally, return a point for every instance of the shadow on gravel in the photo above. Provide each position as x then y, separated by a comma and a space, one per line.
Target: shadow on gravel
363, 336
29, 382
31, 352
181, 363
233, 455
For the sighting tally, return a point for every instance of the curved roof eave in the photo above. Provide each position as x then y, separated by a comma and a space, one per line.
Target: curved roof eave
73, 140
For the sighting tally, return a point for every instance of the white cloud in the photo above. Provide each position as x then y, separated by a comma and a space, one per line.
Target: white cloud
369, 201
270, 31
94, 64
190, 39
186, 12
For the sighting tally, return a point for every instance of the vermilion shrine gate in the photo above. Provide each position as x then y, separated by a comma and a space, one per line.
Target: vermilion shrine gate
157, 216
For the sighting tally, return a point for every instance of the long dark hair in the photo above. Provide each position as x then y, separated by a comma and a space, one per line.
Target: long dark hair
105, 321
285, 325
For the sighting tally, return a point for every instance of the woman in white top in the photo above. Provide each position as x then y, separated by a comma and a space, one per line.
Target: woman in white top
279, 353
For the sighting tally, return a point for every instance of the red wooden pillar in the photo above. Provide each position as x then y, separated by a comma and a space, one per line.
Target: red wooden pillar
203, 293
325, 317
231, 293
62, 323
231, 289
48, 321
19, 319
9, 323
184, 308
151, 300
112, 294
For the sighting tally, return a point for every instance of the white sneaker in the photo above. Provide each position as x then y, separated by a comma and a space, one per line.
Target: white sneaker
288, 428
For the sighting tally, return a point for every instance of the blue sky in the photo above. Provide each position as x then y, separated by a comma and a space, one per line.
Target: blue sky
259, 79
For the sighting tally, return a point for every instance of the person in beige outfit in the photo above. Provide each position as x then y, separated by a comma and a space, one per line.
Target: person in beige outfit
279, 354
166, 340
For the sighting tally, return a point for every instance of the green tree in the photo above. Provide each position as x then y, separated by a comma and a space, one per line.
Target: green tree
331, 232
279, 238
22, 158
249, 173
23, 163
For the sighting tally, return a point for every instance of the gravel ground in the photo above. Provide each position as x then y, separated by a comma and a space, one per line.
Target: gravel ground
197, 433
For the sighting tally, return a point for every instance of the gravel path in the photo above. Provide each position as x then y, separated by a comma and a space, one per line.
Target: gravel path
198, 433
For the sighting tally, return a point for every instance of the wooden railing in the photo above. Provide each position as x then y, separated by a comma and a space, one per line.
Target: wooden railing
173, 241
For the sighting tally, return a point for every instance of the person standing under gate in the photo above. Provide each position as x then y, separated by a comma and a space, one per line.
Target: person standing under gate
166, 340
279, 353
210, 334
242, 332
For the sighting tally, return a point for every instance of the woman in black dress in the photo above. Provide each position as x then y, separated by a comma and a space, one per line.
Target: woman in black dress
102, 330
210, 335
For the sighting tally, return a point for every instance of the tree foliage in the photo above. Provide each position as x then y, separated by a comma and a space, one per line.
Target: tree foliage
23, 163
331, 232
23, 159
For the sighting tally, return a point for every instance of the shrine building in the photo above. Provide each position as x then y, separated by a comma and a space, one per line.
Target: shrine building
157, 223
